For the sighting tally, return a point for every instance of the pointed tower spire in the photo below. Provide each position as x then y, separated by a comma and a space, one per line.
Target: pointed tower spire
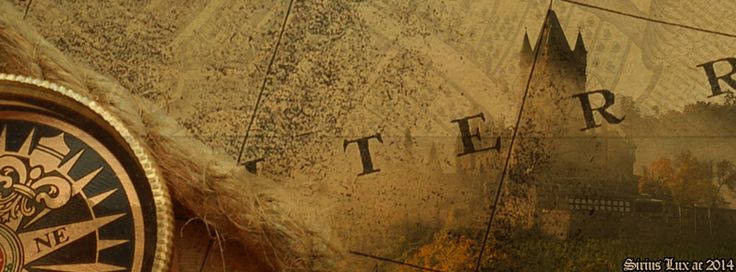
526, 48
526, 55
556, 39
580, 45
581, 54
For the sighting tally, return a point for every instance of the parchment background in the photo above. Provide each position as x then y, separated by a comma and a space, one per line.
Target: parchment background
348, 69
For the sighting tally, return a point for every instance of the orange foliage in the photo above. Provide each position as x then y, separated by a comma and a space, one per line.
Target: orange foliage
450, 253
684, 180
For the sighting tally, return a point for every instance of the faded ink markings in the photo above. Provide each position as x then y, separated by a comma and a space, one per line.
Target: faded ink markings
651, 19
365, 152
265, 80
588, 109
710, 72
467, 136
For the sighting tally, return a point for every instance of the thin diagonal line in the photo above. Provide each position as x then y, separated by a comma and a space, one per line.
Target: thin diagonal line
393, 261
537, 49
206, 256
651, 19
28, 7
265, 80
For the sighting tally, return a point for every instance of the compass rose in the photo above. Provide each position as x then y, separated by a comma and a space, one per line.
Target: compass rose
35, 182
73, 196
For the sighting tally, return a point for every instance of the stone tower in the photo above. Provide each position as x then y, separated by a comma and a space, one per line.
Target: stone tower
568, 161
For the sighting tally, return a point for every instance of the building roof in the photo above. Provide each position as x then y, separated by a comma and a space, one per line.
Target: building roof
554, 38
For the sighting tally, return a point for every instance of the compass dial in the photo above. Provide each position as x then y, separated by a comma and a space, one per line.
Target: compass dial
74, 196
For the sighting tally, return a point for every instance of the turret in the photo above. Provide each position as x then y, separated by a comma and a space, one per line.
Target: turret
555, 44
526, 54
555, 47
580, 53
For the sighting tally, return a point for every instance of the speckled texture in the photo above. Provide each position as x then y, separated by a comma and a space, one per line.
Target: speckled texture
350, 69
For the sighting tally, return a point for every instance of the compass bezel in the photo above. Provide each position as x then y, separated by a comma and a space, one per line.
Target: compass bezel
43, 97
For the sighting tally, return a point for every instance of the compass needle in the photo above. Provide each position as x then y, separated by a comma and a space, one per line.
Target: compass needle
67, 166
105, 244
33, 242
38, 216
95, 200
83, 182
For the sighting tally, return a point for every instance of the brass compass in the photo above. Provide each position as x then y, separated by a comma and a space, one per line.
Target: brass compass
77, 192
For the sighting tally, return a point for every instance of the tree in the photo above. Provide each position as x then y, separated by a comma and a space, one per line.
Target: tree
655, 179
694, 180
684, 180
725, 175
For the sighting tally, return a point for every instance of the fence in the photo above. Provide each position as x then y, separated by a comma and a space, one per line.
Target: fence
630, 218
